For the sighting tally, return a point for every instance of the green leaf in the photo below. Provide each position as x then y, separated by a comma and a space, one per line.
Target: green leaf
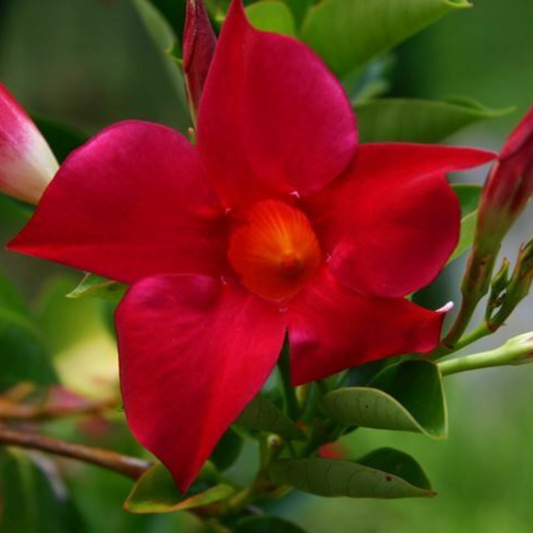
299, 9
23, 353
398, 463
34, 500
262, 415
10, 297
164, 39
62, 139
157, 25
93, 286
466, 238
421, 121
371, 81
349, 33
331, 478
227, 451
272, 16
404, 397
266, 524
156, 492
469, 196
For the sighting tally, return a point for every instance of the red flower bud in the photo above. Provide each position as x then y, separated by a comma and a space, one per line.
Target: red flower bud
509, 186
27, 164
199, 42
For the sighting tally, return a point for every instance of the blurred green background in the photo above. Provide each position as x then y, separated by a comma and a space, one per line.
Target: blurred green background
89, 63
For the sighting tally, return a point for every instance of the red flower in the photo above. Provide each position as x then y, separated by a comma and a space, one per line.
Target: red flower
273, 223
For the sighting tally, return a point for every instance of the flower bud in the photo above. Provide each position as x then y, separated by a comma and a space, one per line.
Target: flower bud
199, 43
518, 286
27, 164
520, 349
517, 351
499, 285
509, 186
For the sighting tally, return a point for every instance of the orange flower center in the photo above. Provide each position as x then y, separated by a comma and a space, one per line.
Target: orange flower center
275, 251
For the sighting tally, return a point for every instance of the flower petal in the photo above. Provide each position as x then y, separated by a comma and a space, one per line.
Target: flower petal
27, 165
193, 353
273, 119
332, 328
132, 202
392, 221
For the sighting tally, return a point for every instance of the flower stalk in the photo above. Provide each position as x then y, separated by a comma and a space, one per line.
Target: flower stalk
506, 194
18, 411
517, 351
505, 296
131, 467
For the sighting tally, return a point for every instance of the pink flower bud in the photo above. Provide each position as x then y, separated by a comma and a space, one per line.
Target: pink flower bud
27, 164
199, 43
509, 185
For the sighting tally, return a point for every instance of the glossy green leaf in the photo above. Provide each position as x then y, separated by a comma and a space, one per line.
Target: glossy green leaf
62, 139
404, 397
272, 15
92, 286
266, 524
469, 196
262, 415
421, 121
349, 33
157, 25
34, 499
156, 492
331, 478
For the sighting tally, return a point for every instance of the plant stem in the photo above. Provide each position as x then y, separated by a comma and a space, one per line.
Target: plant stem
131, 467
514, 352
14, 411
476, 334
475, 285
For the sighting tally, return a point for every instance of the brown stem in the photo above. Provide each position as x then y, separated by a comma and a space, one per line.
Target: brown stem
13, 411
131, 467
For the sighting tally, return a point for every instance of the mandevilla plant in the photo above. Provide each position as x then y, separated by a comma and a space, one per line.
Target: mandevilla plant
263, 269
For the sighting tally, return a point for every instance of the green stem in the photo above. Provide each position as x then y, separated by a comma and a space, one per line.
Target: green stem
475, 286
514, 352
481, 331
